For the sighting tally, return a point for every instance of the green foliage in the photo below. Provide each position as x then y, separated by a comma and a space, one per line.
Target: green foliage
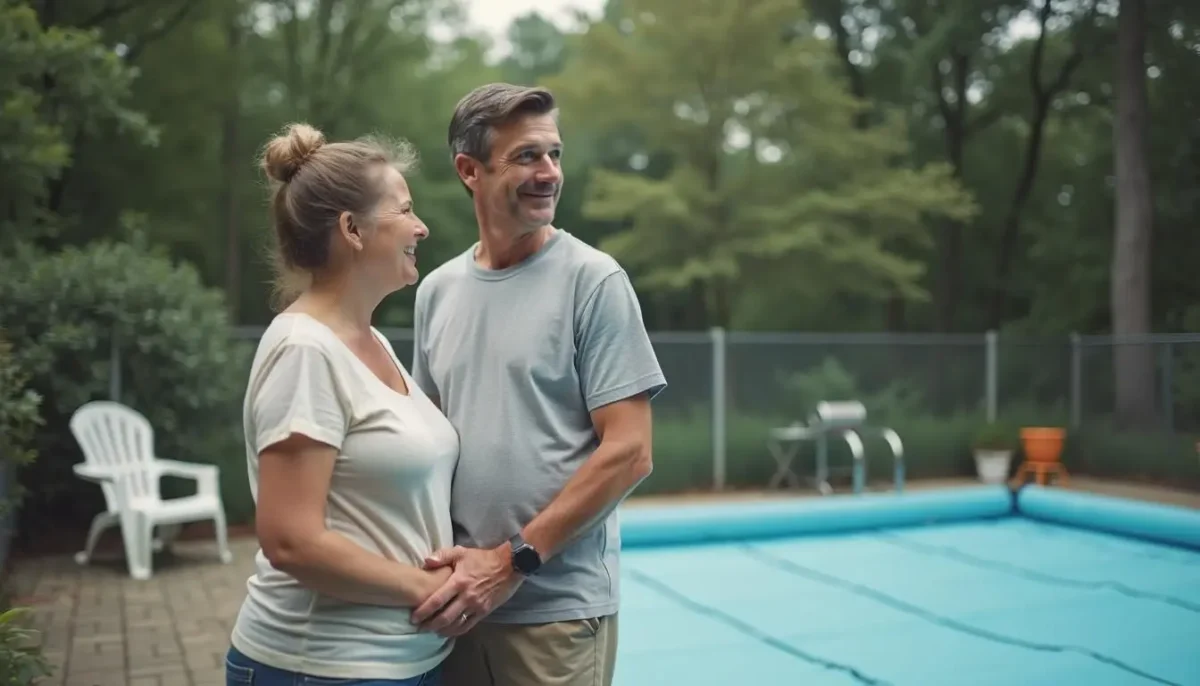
57, 83
68, 312
1101, 449
21, 659
996, 435
19, 419
768, 170
831, 381
934, 448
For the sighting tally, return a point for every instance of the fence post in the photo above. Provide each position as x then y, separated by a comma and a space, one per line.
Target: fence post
717, 335
1076, 380
1167, 357
114, 369
992, 363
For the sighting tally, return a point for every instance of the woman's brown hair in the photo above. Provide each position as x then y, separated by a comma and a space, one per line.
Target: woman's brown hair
314, 182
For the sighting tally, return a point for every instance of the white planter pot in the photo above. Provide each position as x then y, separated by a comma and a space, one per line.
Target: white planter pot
993, 465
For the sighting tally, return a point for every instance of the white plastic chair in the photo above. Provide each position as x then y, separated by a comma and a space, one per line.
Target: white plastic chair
118, 449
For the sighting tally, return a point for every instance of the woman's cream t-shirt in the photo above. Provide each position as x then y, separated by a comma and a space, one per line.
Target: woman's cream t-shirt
390, 493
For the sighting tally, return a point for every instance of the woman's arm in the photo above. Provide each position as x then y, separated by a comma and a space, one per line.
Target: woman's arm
293, 483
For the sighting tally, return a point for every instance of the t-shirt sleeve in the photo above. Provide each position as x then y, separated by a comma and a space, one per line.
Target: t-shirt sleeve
616, 358
420, 362
300, 394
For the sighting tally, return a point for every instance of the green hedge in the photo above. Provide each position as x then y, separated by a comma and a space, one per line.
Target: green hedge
19, 420
1102, 450
935, 448
683, 452
179, 364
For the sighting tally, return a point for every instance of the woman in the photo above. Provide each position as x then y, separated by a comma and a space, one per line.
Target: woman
350, 464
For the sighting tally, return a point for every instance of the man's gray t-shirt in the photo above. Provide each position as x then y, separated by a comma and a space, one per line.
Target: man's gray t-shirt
518, 358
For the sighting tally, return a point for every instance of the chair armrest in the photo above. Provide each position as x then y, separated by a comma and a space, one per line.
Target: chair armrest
104, 476
205, 475
94, 472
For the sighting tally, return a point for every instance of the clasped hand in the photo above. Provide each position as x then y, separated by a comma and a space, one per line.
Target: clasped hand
482, 580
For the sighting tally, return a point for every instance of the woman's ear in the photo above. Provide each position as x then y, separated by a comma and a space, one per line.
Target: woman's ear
350, 230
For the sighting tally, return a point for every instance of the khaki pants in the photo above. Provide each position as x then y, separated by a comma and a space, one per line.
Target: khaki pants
576, 653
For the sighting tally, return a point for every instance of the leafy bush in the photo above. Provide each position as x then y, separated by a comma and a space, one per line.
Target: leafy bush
1100, 449
69, 313
19, 420
21, 658
996, 435
934, 447
833, 382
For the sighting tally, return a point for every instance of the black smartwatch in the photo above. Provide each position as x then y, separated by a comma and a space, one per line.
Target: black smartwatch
525, 558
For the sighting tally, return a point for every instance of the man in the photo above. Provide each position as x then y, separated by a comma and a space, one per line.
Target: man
533, 344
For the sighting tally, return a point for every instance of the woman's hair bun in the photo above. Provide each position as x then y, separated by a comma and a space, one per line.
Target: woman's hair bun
287, 152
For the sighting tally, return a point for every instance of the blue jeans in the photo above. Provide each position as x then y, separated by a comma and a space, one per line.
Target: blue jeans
243, 671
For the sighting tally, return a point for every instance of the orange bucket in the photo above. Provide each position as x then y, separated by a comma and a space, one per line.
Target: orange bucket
1043, 444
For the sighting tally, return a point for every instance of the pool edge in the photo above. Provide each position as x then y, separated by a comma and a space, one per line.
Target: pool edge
1162, 523
665, 525
701, 523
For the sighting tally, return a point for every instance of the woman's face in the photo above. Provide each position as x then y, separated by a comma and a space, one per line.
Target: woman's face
389, 254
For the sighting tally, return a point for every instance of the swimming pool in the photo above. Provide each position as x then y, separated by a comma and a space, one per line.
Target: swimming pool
968, 587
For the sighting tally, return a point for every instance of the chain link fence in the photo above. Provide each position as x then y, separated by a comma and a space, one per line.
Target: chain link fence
727, 390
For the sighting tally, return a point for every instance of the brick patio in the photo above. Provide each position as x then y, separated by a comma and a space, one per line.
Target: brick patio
101, 628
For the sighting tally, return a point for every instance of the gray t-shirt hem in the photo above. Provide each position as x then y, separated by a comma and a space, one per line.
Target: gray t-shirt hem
553, 614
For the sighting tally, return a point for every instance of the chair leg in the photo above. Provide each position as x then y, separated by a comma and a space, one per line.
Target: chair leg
137, 531
100, 522
222, 536
166, 536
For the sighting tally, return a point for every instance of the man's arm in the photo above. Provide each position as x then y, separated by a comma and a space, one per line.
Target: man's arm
621, 462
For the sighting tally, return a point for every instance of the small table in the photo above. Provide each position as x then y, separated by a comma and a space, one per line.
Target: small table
784, 443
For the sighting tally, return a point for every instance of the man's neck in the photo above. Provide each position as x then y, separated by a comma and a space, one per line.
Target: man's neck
500, 248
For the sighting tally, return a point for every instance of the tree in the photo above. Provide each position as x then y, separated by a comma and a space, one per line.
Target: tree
755, 165
58, 84
1133, 361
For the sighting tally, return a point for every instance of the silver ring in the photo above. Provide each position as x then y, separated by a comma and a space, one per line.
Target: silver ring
465, 617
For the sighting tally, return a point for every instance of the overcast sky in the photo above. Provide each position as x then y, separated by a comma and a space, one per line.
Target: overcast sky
494, 16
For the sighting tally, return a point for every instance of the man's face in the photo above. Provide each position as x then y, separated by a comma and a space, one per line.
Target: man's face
522, 181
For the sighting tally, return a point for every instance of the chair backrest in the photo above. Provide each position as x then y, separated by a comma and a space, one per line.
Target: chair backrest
117, 437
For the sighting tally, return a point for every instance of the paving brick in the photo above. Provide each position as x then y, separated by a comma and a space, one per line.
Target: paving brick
98, 627
205, 659
209, 678
87, 661
105, 678
154, 664
176, 679
163, 672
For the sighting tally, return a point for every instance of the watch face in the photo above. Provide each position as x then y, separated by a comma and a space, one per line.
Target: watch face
526, 560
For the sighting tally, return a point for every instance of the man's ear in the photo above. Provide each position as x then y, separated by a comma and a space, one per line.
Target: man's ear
350, 230
468, 169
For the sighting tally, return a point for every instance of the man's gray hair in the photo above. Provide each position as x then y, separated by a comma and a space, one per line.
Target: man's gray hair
489, 106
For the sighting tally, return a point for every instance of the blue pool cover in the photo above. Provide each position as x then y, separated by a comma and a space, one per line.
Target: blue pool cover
929, 589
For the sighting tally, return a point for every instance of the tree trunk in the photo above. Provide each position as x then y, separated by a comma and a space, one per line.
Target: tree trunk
232, 163
1133, 362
